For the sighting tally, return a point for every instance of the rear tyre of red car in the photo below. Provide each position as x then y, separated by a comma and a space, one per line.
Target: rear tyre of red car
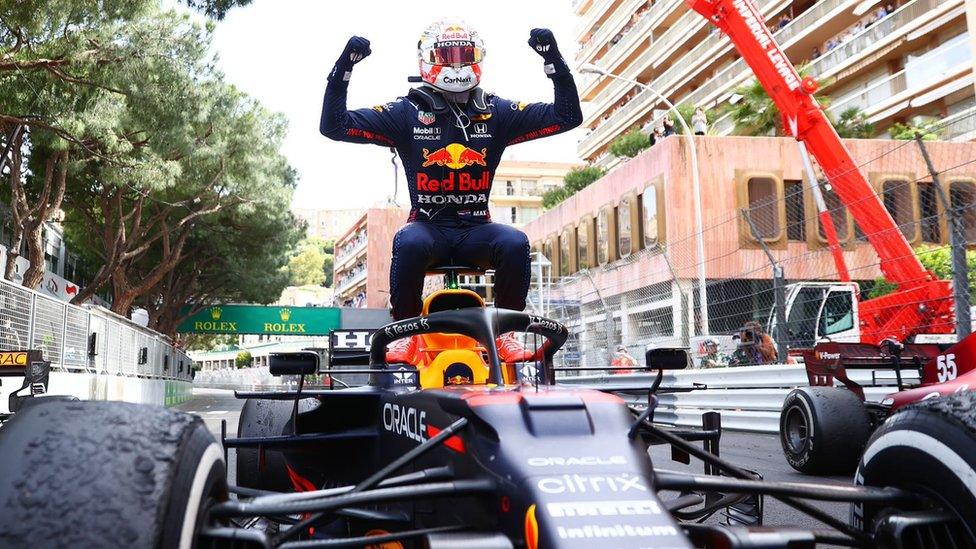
927, 448
823, 430
106, 474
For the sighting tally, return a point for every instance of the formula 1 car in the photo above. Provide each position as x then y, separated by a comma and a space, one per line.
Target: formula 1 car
515, 460
824, 428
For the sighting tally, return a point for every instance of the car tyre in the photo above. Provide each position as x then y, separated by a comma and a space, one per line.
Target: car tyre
929, 448
106, 474
823, 430
265, 418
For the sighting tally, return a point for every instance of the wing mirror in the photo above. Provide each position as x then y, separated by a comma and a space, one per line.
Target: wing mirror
293, 364
667, 358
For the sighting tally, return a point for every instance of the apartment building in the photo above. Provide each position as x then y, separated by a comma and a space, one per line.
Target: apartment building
327, 223
623, 248
516, 195
894, 60
362, 259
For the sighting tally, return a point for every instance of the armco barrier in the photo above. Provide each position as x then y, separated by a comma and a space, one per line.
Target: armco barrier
749, 397
94, 353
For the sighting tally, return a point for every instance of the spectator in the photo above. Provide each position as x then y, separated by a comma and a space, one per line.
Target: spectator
699, 122
668, 125
623, 362
657, 135
711, 358
754, 346
815, 54
881, 13
889, 8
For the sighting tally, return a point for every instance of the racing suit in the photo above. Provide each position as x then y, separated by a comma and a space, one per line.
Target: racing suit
449, 153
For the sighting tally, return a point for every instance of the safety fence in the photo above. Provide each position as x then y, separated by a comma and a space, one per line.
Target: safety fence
648, 284
90, 340
749, 398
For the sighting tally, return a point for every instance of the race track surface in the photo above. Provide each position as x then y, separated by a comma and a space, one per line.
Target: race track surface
757, 452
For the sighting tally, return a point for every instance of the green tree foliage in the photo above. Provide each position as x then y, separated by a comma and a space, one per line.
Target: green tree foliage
852, 123
244, 359
574, 181
755, 113
921, 125
939, 261
308, 265
629, 144
208, 342
176, 189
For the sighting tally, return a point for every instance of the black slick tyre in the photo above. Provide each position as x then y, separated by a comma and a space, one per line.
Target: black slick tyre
928, 448
265, 418
823, 430
106, 474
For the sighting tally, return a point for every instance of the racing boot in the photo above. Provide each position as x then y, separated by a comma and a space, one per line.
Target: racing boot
510, 350
403, 350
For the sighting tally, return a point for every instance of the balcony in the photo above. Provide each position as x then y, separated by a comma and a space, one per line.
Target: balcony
351, 253
909, 17
873, 38
689, 24
351, 281
614, 23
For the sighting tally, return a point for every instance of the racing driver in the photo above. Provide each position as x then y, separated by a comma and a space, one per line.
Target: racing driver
450, 135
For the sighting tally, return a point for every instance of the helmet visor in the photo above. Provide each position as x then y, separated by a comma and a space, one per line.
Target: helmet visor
453, 55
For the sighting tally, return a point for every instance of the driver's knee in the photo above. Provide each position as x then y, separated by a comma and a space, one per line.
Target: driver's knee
413, 242
511, 245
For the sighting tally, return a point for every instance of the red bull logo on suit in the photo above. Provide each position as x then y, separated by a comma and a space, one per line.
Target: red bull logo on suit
455, 156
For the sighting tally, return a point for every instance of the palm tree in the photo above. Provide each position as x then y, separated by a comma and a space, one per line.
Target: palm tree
853, 124
755, 113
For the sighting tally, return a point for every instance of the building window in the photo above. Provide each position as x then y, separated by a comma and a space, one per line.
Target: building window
962, 196
566, 252
604, 238
583, 245
650, 216
897, 197
928, 205
796, 227
764, 207
529, 214
547, 249
624, 222
514, 214
838, 214
509, 188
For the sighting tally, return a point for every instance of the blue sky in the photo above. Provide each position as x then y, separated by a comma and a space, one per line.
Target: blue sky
280, 51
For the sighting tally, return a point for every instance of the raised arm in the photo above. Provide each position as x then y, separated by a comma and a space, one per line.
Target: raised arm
524, 122
376, 125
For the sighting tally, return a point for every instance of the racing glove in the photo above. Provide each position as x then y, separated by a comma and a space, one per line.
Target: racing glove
357, 49
544, 43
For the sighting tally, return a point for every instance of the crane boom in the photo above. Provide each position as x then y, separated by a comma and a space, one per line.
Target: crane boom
921, 303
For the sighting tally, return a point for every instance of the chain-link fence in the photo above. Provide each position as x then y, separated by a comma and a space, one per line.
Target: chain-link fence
651, 295
85, 339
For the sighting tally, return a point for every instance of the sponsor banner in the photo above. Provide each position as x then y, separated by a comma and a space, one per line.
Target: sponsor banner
258, 319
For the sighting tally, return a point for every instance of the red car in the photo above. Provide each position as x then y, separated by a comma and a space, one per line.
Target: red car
824, 428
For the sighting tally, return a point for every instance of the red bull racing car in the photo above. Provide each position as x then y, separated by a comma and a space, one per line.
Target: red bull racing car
462, 453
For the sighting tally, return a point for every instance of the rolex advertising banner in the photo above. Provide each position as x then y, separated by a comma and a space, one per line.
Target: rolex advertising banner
258, 319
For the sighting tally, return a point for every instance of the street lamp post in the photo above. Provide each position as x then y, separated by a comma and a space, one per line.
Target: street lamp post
696, 184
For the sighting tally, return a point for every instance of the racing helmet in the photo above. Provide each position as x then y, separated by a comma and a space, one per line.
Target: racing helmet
450, 54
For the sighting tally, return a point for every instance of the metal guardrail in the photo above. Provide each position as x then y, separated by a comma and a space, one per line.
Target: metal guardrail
86, 339
749, 397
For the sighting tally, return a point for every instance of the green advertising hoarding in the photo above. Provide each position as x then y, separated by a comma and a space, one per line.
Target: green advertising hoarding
259, 319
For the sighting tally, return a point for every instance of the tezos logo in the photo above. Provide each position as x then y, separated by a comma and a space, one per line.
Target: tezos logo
406, 327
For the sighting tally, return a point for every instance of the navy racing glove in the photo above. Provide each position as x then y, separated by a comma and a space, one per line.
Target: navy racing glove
543, 42
357, 49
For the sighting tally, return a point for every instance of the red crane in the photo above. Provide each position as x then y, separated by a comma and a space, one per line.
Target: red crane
921, 303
